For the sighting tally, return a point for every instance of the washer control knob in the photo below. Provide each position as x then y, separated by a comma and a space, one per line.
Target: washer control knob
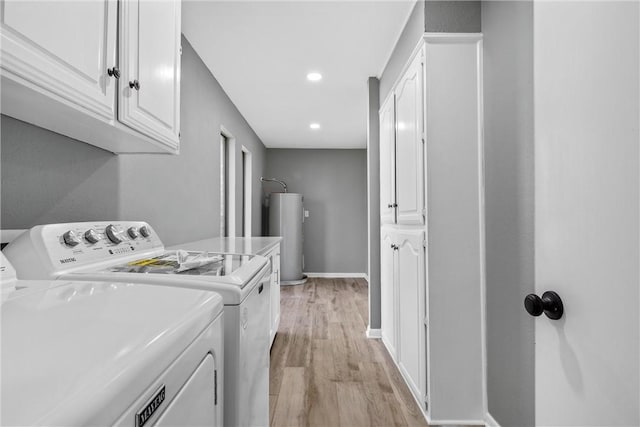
113, 233
144, 230
70, 239
91, 236
133, 233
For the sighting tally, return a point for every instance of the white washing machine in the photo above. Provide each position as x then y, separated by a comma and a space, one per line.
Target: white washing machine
95, 353
130, 251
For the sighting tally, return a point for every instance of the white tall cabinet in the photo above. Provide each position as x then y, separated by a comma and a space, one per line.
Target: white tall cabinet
60, 70
432, 234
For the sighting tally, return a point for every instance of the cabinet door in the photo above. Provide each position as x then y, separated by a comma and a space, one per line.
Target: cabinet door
411, 311
410, 146
275, 292
150, 58
388, 292
387, 162
62, 49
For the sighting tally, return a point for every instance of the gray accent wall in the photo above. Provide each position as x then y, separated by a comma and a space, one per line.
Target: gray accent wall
452, 16
334, 186
373, 212
411, 34
47, 177
428, 16
509, 198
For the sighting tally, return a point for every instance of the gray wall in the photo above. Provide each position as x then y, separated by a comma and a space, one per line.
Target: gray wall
48, 177
334, 186
509, 198
408, 40
428, 16
373, 212
452, 16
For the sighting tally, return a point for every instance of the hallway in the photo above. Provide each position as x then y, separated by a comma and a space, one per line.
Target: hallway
324, 371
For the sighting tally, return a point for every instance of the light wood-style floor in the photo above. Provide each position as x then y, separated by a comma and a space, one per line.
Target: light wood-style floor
324, 371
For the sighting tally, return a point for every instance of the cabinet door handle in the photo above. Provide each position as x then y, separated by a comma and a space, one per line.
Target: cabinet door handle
134, 85
114, 72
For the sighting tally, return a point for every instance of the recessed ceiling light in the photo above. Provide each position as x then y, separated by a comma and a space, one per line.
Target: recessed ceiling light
314, 77
314, 125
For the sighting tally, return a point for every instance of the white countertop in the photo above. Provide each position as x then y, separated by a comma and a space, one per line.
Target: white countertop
238, 245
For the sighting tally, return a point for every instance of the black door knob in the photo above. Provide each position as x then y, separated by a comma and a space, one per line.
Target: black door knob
114, 72
550, 304
134, 85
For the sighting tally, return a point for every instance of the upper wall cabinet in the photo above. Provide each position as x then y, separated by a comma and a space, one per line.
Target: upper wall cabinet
60, 70
410, 145
149, 88
388, 163
63, 48
402, 150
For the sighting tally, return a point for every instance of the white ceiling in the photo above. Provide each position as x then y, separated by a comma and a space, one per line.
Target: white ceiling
261, 51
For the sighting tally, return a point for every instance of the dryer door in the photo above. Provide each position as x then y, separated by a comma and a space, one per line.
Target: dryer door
195, 404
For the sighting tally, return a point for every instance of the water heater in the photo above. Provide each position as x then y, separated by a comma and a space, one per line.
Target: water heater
285, 219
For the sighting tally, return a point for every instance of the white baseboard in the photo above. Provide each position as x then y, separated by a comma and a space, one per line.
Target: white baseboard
453, 422
374, 333
366, 277
337, 275
489, 421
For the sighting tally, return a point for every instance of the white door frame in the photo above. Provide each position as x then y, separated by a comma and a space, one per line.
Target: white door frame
230, 183
247, 191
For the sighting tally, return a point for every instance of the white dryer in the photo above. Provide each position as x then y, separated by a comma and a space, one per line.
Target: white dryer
131, 251
95, 353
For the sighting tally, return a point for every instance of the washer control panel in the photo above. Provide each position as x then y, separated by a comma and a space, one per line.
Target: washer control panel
67, 245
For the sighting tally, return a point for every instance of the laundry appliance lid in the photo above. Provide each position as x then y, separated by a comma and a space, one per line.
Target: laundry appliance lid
81, 353
233, 269
234, 282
